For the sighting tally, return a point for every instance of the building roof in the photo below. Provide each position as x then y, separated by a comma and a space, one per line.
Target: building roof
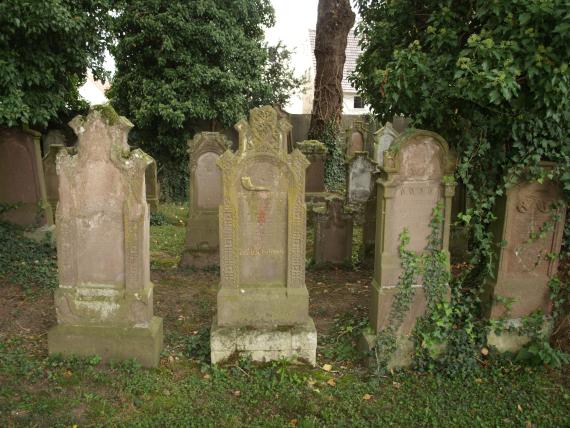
353, 51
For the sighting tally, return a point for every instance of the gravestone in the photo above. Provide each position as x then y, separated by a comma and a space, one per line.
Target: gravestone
50, 174
382, 140
369, 225
411, 186
360, 172
523, 266
202, 246
53, 137
400, 123
22, 178
333, 233
316, 154
355, 138
263, 303
104, 302
151, 183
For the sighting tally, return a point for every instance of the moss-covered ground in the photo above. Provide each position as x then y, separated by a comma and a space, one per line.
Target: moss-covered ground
37, 390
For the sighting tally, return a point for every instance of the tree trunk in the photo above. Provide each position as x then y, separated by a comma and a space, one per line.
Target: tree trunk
334, 21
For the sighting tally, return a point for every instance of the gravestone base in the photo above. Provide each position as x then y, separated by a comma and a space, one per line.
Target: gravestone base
264, 344
402, 356
510, 340
200, 259
109, 342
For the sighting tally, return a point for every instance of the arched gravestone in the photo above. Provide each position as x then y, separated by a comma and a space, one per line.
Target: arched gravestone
22, 178
411, 186
263, 303
523, 266
333, 233
383, 138
205, 192
355, 138
360, 173
104, 303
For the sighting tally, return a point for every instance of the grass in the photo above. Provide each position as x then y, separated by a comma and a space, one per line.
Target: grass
36, 390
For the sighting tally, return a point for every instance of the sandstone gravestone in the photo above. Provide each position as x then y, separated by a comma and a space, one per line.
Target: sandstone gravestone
383, 138
523, 266
22, 178
359, 181
151, 182
333, 233
202, 231
400, 123
104, 303
316, 154
369, 225
50, 174
263, 303
411, 187
53, 137
355, 139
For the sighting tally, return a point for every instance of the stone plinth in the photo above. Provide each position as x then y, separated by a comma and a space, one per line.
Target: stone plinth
105, 297
151, 185
22, 178
411, 185
522, 264
316, 154
262, 297
333, 234
202, 248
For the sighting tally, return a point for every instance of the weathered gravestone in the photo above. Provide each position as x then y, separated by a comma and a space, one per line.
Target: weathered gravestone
369, 225
50, 174
528, 230
22, 178
263, 303
202, 247
333, 233
104, 300
355, 138
316, 154
411, 186
360, 172
54, 137
151, 183
383, 138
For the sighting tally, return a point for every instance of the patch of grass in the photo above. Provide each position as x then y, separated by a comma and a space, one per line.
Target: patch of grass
341, 343
167, 235
182, 393
25, 262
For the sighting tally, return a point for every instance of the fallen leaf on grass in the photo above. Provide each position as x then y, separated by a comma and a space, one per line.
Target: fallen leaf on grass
237, 393
519, 407
327, 367
484, 351
366, 397
293, 422
331, 382
396, 385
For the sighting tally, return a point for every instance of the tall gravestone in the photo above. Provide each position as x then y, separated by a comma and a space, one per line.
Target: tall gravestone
22, 178
316, 154
104, 303
383, 138
523, 266
360, 172
50, 174
333, 233
263, 303
411, 187
151, 183
202, 247
355, 138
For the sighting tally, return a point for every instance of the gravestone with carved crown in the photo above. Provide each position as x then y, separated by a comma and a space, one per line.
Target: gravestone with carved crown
413, 183
202, 231
262, 302
104, 302
528, 233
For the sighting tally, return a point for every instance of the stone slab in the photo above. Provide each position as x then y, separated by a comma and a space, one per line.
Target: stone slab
402, 356
265, 344
509, 340
117, 343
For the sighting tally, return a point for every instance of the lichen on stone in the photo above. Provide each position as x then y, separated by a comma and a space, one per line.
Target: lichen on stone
108, 113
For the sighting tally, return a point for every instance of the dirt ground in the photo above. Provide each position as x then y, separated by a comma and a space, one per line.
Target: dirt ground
186, 301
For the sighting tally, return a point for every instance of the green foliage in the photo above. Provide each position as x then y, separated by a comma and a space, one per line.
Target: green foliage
335, 171
189, 66
26, 263
492, 78
198, 345
341, 343
540, 353
157, 219
46, 48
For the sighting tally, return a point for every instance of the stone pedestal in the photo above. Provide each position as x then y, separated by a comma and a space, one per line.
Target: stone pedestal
202, 248
263, 303
105, 297
523, 266
411, 186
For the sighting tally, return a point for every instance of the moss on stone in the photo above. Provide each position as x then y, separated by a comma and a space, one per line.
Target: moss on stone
311, 146
108, 113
